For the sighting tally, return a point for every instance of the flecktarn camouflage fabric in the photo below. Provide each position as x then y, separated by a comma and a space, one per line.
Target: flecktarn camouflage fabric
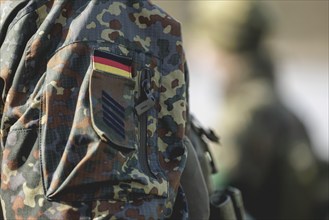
94, 109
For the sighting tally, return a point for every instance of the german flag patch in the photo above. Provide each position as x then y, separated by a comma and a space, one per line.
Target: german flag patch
112, 63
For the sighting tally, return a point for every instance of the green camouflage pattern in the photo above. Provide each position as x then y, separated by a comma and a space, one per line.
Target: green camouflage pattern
59, 160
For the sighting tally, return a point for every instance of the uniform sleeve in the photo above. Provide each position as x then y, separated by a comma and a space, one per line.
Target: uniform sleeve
8, 11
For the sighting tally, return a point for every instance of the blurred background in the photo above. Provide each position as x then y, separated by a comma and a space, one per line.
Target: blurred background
259, 78
299, 45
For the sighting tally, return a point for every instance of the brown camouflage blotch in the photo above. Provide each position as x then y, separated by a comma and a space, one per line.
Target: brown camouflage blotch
4, 178
34, 49
148, 22
84, 123
114, 35
162, 132
5, 72
18, 204
138, 44
169, 166
163, 89
107, 206
154, 63
49, 4
79, 48
115, 24
36, 154
4, 186
180, 131
31, 218
134, 213
38, 215
12, 164
57, 119
138, 202
175, 29
54, 62
154, 191
17, 112
5, 154
67, 10
70, 214
15, 98
132, 17
174, 83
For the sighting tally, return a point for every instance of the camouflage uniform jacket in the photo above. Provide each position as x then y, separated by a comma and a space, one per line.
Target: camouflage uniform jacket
94, 105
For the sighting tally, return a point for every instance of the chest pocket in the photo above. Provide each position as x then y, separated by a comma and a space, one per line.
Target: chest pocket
106, 145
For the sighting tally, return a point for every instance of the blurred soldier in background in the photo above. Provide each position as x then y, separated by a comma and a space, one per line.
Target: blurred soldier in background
270, 157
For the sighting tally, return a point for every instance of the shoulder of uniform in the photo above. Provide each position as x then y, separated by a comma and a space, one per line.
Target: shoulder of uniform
172, 25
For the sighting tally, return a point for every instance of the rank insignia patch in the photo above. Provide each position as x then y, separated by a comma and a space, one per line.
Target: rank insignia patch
113, 114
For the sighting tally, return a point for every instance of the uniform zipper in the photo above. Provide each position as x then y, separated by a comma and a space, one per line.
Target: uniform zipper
146, 102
